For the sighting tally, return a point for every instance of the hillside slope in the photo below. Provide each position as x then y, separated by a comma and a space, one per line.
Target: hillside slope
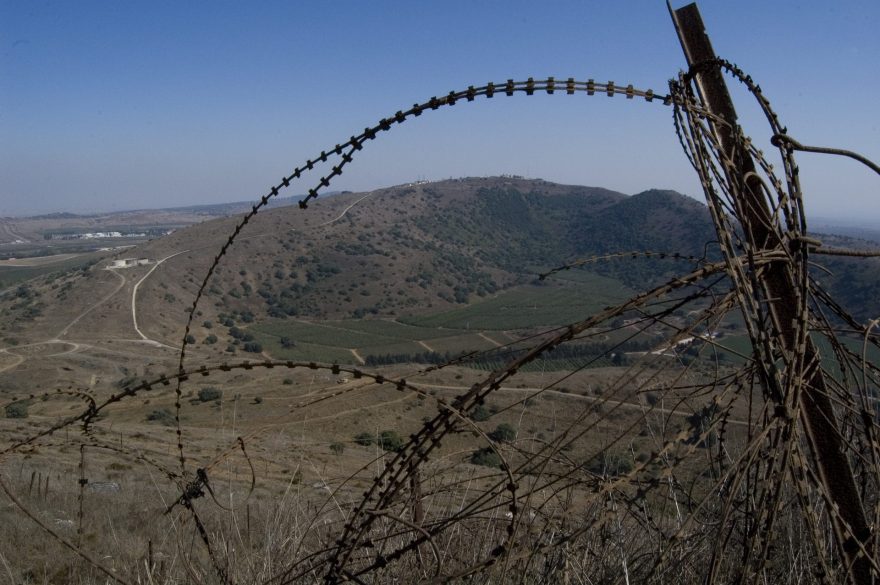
416, 248
406, 250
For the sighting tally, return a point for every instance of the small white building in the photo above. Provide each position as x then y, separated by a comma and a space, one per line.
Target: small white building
128, 262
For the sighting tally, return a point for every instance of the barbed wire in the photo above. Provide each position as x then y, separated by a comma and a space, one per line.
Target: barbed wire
347, 150
667, 517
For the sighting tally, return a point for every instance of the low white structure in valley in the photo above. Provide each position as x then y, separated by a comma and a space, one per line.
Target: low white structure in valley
129, 262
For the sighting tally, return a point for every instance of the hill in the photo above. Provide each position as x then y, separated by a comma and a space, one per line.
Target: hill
405, 251
385, 285
421, 248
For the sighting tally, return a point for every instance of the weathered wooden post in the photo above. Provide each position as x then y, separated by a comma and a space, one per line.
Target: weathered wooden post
816, 413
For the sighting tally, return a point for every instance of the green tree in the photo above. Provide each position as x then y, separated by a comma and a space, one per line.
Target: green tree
390, 440
209, 393
610, 464
17, 409
504, 432
161, 415
481, 412
253, 347
486, 457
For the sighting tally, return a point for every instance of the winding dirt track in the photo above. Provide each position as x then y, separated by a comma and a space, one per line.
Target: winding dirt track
122, 282
134, 301
75, 347
8, 232
19, 359
344, 211
489, 339
610, 402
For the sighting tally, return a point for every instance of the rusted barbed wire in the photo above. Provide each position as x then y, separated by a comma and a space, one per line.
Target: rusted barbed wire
347, 150
745, 501
791, 372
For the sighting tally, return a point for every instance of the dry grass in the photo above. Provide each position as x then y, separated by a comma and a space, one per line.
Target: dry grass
669, 467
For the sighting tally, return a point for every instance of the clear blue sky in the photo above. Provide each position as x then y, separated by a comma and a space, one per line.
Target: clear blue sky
118, 105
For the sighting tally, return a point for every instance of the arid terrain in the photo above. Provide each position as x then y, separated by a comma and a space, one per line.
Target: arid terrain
324, 339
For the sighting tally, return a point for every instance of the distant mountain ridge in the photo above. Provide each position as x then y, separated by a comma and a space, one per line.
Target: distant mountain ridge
214, 209
430, 245
426, 247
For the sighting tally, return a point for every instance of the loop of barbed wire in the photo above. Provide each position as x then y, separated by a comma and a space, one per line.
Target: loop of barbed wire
789, 366
719, 524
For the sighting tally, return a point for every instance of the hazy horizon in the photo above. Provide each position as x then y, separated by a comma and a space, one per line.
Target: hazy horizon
815, 221
109, 107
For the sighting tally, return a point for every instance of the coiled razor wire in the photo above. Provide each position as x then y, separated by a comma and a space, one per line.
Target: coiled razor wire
754, 496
